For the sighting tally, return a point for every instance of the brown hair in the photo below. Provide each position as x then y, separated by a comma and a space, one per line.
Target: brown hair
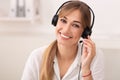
46, 70
77, 5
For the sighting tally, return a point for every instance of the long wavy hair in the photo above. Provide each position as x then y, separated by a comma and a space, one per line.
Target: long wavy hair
46, 68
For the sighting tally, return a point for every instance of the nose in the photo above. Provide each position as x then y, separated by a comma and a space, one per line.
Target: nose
66, 28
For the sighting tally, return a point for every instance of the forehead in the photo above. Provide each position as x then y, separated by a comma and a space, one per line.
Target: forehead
73, 15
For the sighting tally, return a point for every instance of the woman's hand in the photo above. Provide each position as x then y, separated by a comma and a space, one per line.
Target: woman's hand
89, 51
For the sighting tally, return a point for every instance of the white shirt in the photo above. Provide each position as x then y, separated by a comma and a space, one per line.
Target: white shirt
32, 67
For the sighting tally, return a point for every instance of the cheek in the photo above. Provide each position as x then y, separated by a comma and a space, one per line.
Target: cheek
81, 32
78, 34
57, 29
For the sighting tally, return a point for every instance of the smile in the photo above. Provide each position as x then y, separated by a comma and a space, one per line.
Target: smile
64, 36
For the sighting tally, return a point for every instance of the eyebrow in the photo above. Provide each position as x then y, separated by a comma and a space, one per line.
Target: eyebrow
74, 20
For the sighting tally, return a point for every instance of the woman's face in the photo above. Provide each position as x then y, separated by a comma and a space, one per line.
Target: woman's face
69, 28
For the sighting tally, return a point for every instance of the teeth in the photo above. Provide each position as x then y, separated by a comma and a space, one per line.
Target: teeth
65, 36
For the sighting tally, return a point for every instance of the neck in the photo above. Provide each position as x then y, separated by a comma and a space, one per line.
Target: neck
66, 52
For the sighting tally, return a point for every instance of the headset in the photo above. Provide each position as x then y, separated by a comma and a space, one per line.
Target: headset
87, 31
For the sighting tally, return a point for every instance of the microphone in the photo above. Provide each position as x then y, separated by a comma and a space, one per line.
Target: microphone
80, 41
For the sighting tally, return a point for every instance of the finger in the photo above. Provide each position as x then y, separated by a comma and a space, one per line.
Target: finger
89, 42
86, 42
90, 48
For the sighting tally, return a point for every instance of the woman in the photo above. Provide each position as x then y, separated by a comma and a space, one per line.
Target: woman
66, 58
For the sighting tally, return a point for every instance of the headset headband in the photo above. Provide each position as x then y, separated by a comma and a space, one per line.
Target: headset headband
93, 15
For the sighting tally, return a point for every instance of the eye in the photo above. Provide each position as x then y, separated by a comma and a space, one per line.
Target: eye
76, 25
63, 20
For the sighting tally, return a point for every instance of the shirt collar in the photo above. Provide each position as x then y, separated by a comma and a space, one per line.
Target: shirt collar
74, 65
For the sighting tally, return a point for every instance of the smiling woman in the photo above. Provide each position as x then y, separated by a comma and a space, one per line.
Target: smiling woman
69, 28
65, 58
19, 38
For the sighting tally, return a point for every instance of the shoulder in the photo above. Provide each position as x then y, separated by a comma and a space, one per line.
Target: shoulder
32, 66
35, 57
37, 53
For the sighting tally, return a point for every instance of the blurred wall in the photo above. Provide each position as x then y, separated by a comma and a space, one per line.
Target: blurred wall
19, 38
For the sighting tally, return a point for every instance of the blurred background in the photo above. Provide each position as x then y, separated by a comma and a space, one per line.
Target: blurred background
26, 25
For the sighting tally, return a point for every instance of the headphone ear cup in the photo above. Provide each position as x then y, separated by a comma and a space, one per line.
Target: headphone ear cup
87, 31
54, 20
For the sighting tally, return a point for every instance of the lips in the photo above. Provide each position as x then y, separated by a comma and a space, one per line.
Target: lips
65, 36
